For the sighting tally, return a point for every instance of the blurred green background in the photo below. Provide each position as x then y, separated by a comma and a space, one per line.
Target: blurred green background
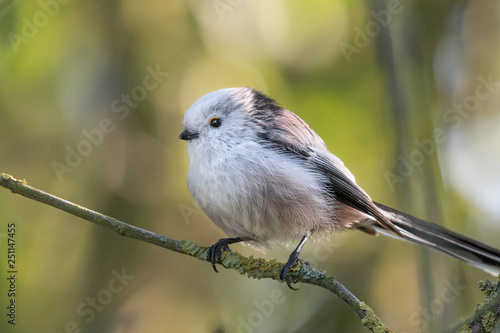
92, 96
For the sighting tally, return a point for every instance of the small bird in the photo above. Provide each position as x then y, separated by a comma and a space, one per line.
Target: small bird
261, 174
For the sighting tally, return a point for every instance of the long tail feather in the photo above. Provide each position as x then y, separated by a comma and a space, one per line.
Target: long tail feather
439, 238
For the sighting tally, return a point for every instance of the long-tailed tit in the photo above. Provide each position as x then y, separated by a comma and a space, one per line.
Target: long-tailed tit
261, 173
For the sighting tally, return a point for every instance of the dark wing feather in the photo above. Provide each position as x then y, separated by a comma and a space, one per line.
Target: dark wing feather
283, 130
350, 194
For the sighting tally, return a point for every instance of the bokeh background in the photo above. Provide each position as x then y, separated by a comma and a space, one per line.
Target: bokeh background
92, 96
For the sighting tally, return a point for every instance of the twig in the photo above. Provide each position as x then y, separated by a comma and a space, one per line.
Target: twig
255, 268
486, 314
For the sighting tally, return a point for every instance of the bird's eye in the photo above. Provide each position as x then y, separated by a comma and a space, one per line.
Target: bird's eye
215, 122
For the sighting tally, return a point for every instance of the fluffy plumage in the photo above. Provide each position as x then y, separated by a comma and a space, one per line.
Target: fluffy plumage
264, 173
261, 173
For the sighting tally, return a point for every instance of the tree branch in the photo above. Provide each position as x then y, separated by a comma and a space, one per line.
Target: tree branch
255, 268
486, 314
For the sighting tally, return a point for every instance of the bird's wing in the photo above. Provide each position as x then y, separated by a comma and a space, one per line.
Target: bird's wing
349, 193
291, 134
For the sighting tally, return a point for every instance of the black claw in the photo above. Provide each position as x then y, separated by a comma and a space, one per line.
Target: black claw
215, 252
285, 270
292, 261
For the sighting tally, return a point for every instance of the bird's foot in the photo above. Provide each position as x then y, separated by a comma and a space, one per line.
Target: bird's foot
214, 254
285, 270
215, 251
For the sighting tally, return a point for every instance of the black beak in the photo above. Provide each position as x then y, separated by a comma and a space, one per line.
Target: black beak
188, 136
